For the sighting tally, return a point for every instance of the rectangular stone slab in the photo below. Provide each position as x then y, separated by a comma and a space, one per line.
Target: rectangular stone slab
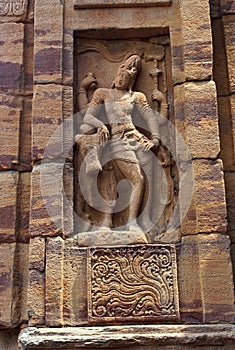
135, 283
118, 3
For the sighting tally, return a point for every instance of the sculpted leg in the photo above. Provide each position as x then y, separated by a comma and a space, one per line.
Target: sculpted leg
132, 172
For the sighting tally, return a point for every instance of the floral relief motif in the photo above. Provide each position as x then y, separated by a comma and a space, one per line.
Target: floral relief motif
12, 7
129, 283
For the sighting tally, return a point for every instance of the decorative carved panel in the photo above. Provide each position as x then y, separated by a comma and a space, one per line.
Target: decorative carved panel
119, 3
135, 283
12, 7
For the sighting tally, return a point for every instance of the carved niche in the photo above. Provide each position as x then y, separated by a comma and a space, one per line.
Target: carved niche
97, 62
13, 7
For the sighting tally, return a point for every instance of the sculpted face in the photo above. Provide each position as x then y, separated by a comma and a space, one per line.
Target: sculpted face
127, 73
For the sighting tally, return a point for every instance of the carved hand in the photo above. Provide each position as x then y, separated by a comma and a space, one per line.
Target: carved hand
89, 81
103, 135
156, 141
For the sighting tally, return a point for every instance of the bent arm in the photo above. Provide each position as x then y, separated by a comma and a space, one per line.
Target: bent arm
148, 114
95, 110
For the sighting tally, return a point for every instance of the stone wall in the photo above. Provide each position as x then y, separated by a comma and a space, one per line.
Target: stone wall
223, 28
41, 270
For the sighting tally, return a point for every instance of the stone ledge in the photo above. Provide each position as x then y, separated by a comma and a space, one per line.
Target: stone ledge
126, 336
80, 4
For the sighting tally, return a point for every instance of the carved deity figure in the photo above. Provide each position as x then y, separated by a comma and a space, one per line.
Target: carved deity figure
111, 146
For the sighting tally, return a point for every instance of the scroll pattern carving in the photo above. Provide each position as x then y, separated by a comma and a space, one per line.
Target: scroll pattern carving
131, 283
12, 7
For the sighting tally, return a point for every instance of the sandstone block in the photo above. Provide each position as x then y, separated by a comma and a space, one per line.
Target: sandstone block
229, 32
37, 254
29, 57
46, 215
36, 298
48, 41
189, 281
205, 279
54, 282
227, 7
220, 69
230, 196
24, 207
68, 199
25, 147
36, 289
10, 114
210, 196
47, 119
208, 208
196, 119
11, 55
7, 253
75, 284
160, 337
197, 39
216, 278
227, 132
21, 271
8, 205
12, 11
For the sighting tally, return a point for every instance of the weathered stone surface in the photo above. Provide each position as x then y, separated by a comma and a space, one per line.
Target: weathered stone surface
196, 119
47, 120
11, 56
227, 138
21, 268
118, 3
54, 282
191, 309
230, 196
208, 208
215, 8
130, 337
196, 32
205, 279
36, 289
75, 286
46, 214
23, 207
36, 298
210, 196
8, 206
14, 11
48, 41
10, 114
110, 238
216, 278
7, 253
68, 179
37, 254
233, 260
220, 68
229, 32
25, 139
227, 7
8, 339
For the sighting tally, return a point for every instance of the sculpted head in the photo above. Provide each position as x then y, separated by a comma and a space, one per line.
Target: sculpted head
127, 73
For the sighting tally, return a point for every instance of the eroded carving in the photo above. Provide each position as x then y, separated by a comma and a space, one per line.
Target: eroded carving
132, 283
12, 7
112, 149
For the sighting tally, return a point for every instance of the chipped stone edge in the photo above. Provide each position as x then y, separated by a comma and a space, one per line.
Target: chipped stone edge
111, 336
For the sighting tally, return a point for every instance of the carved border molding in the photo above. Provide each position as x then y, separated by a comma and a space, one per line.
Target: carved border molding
79, 4
132, 283
12, 7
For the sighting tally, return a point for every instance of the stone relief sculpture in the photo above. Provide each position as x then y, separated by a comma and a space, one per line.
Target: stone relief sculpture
117, 160
12, 7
